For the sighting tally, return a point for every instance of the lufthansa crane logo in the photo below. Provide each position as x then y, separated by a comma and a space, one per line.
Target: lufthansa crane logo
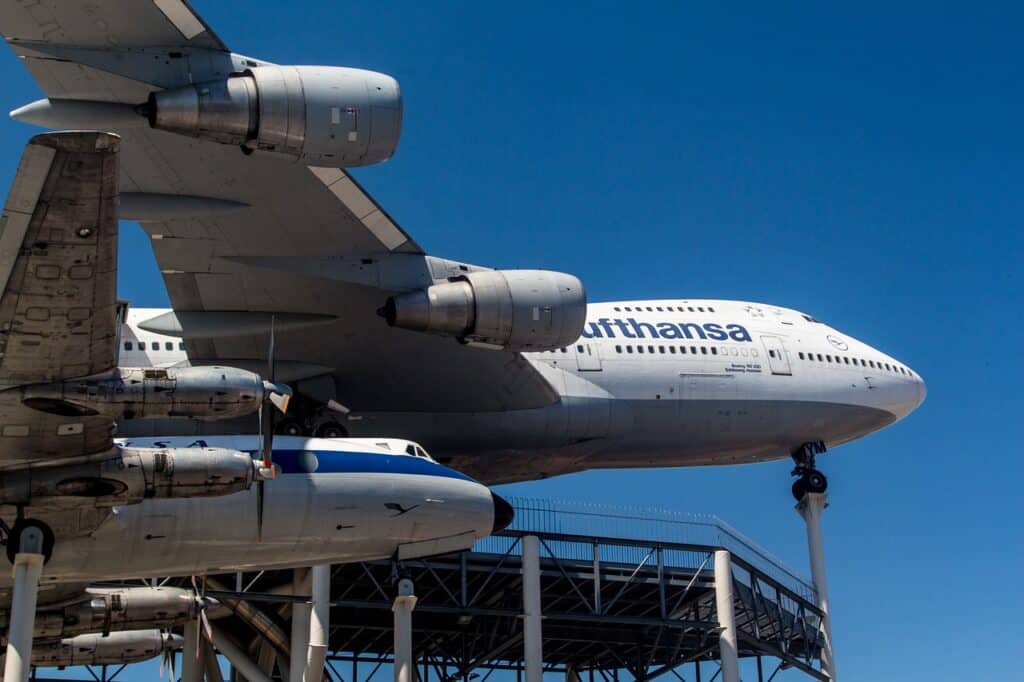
837, 342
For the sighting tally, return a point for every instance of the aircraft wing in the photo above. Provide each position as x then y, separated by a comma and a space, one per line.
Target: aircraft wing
107, 23
58, 273
260, 234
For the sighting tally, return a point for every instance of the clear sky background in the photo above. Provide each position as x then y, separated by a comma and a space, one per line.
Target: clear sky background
860, 164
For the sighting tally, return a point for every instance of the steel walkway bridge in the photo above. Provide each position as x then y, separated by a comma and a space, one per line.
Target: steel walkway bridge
625, 594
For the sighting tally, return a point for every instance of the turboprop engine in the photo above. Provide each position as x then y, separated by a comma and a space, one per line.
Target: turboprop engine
129, 475
112, 609
323, 115
515, 310
130, 646
205, 393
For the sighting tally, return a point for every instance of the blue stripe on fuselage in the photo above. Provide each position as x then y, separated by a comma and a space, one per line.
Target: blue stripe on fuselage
342, 462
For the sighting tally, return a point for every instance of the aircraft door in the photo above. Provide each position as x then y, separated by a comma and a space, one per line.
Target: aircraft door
777, 358
588, 358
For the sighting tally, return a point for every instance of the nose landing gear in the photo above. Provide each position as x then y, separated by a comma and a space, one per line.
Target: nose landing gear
810, 479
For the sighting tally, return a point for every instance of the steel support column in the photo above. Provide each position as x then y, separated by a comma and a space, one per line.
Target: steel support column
532, 632
191, 664
810, 508
724, 605
319, 623
300, 626
28, 566
239, 660
210, 663
405, 602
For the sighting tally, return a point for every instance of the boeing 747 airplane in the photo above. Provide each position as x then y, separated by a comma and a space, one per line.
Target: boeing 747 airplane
236, 168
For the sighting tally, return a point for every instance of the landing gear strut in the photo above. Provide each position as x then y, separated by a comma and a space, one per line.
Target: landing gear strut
809, 480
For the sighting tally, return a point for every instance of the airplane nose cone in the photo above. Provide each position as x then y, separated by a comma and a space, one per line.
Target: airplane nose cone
922, 389
503, 513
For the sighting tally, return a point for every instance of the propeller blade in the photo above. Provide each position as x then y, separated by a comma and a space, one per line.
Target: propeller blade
259, 510
278, 398
278, 394
271, 350
335, 406
267, 435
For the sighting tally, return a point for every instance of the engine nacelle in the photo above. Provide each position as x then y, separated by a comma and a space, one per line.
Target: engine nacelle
130, 646
110, 609
129, 475
205, 393
516, 310
326, 115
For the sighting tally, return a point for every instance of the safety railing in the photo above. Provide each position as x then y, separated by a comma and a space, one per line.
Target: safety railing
645, 525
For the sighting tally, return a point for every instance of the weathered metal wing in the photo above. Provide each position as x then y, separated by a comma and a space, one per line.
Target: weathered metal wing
107, 23
58, 277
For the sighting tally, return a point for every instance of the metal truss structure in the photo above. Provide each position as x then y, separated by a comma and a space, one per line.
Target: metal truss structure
634, 600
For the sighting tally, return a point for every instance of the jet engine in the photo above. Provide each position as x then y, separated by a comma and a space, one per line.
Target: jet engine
515, 310
129, 475
205, 393
325, 115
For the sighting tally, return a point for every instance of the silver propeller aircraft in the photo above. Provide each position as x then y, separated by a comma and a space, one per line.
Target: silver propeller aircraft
91, 508
235, 167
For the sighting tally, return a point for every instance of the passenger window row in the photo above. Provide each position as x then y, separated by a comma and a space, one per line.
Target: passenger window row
664, 308
861, 362
154, 345
683, 350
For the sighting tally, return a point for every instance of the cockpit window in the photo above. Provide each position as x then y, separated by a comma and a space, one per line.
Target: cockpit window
811, 319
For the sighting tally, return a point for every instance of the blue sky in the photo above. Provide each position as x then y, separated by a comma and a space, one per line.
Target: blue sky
863, 164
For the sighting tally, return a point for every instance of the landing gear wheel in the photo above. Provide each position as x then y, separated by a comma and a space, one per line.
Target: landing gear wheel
288, 427
799, 489
815, 481
330, 430
14, 539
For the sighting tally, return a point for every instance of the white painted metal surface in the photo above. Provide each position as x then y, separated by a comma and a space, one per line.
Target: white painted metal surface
28, 566
405, 602
810, 509
532, 629
319, 623
726, 617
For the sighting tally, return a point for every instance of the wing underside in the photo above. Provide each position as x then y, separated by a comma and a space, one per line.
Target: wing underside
58, 307
220, 219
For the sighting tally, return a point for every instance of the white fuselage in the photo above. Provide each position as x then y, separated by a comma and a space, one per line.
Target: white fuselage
334, 500
656, 383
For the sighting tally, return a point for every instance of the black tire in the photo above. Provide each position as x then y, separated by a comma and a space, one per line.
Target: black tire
799, 489
331, 430
14, 541
815, 481
289, 427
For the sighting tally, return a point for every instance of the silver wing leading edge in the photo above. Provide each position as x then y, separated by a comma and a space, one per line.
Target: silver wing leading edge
257, 234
